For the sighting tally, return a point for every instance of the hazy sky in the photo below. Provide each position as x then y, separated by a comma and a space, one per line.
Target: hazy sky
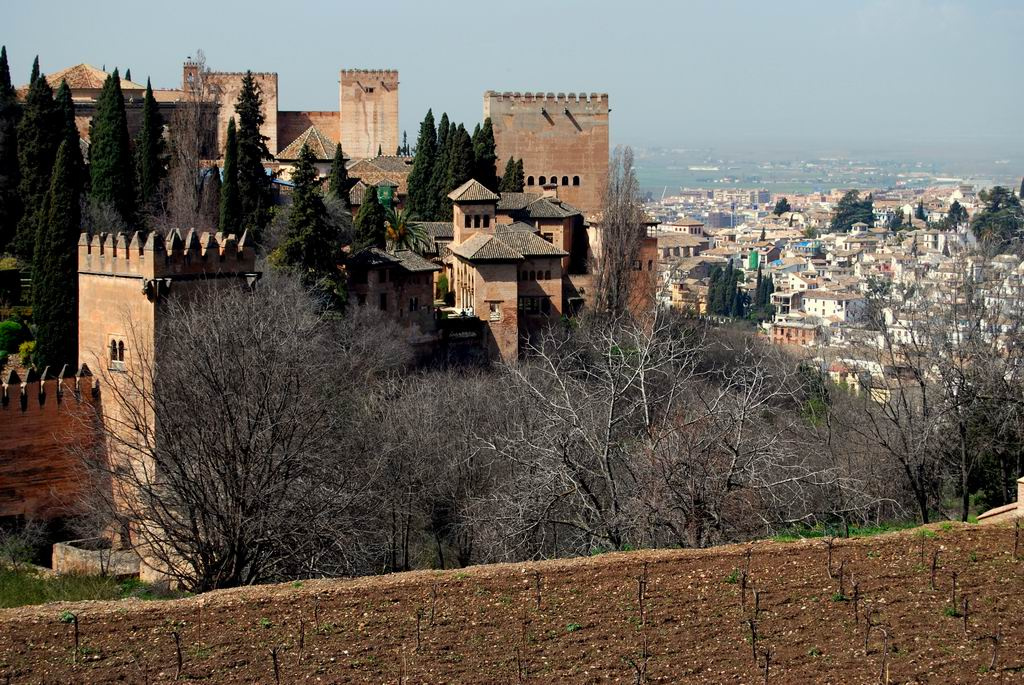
800, 73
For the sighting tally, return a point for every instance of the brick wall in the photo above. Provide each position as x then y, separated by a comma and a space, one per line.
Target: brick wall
39, 476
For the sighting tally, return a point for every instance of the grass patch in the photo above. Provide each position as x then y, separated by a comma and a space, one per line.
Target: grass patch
823, 531
24, 587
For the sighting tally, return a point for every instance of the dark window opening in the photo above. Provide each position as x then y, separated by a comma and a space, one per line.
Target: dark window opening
547, 275
565, 180
545, 305
543, 180
487, 220
469, 221
476, 221
120, 351
383, 302
575, 180
529, 180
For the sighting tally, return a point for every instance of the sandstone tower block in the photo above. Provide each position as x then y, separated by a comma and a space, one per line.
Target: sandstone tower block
368, 101
562, 139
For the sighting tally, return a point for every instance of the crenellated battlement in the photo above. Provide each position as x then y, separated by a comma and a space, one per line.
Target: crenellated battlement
151, 255
43, 392
392, 73
592, 98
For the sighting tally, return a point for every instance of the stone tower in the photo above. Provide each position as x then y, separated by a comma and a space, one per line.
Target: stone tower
368, 101
562, 139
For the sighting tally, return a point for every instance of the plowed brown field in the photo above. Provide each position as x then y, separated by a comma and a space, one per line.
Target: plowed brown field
490, 624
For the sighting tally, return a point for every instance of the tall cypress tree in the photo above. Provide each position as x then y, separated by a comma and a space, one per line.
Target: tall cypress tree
112, 172
485, 157
338, 183
369, 222
312, 245
149, 151
508, 179
439, 174
460, 165
39, 136
253, 181
69, 132
55, 265
520, 176
10, 204
230, 201
418, 196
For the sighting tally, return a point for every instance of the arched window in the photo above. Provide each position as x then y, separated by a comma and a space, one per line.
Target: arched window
113, 350
529, 180
554, 180
533, 275
575, 180
565, 180
543, 180
120, 351
547, 275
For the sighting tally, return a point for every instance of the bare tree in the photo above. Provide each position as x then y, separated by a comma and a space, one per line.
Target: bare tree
192, 140
619, 234
227, 461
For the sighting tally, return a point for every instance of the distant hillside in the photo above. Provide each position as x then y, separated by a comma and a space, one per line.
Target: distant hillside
575, 621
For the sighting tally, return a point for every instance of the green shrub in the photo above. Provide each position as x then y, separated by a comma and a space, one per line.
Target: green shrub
12, 334
26, 351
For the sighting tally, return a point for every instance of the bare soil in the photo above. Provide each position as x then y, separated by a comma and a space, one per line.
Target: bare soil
490, 624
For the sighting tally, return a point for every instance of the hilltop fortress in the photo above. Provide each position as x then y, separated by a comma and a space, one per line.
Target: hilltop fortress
561, 138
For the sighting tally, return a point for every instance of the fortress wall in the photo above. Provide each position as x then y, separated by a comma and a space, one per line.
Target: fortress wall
290, 125
39, 419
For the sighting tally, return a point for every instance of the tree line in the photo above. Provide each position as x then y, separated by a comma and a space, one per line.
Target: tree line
447, 156
50, 192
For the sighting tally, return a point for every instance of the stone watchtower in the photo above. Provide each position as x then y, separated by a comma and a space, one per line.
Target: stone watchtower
121, 283
562, 140
368, 101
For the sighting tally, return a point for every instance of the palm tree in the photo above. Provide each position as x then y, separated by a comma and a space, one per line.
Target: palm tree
402, 233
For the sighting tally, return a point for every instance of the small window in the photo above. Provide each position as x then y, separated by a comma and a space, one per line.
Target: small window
575, 180
113, 350
550, 237
565, 180
120, 350
383, 302
369, 90
476, 221
529, 180
554, 180
543, 180
533, 275
545, 305
414, 304
495, 311
637, 265
650, 265
469, 221
487, 220
547, 275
